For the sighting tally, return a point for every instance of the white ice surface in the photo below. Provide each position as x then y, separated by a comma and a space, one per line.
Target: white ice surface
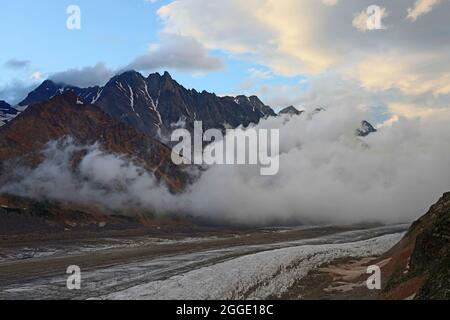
254, 276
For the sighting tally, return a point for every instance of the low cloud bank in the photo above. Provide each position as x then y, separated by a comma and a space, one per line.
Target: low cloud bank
327, 175
104, 179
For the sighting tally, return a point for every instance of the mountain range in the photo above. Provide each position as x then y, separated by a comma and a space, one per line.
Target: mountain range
130, 115
157, 104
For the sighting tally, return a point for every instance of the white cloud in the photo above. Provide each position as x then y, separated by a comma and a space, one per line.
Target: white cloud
254, 76
414, 74
293, 37
420, 8
330, 2
260, 74
100, 178
37, 75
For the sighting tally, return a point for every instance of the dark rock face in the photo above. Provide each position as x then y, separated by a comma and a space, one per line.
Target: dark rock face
158, 104
291, 111
432, 251
65, 116
253, 103
7, 112
127, 99
6, 109
428, 264
365, 130
49, 89
42, 93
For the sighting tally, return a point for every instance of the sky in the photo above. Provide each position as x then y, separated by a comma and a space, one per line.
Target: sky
305, 53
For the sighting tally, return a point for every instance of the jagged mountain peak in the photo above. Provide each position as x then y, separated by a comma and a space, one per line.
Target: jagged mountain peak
365, 129
255, 104
7, 112
167, 75
4, 104
128, 75
49, 89
291, 110
153, 104
43, 92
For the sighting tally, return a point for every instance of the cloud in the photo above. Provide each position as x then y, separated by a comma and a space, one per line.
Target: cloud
108, 180
410, 110
253, 76
173, 52
330, 2
17, 64
98, 74
177, 52
420, 8
327, 174
282, 35
259, 74
414, 74
306, 37
15, 91
37, 75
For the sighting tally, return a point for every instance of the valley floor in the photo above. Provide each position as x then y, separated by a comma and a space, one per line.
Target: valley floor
259, 264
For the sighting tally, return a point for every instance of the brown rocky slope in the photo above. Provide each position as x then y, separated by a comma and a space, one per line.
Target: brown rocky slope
420, 264
23, 140
64, 116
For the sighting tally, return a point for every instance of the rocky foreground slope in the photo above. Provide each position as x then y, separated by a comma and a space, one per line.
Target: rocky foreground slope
420, 264
418, 267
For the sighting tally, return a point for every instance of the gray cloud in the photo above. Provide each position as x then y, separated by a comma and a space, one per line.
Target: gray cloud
17, 64
173, 52
177, 52
108, 180
98, 74
15, 91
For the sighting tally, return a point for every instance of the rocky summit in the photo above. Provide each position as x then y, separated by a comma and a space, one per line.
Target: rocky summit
157, 104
